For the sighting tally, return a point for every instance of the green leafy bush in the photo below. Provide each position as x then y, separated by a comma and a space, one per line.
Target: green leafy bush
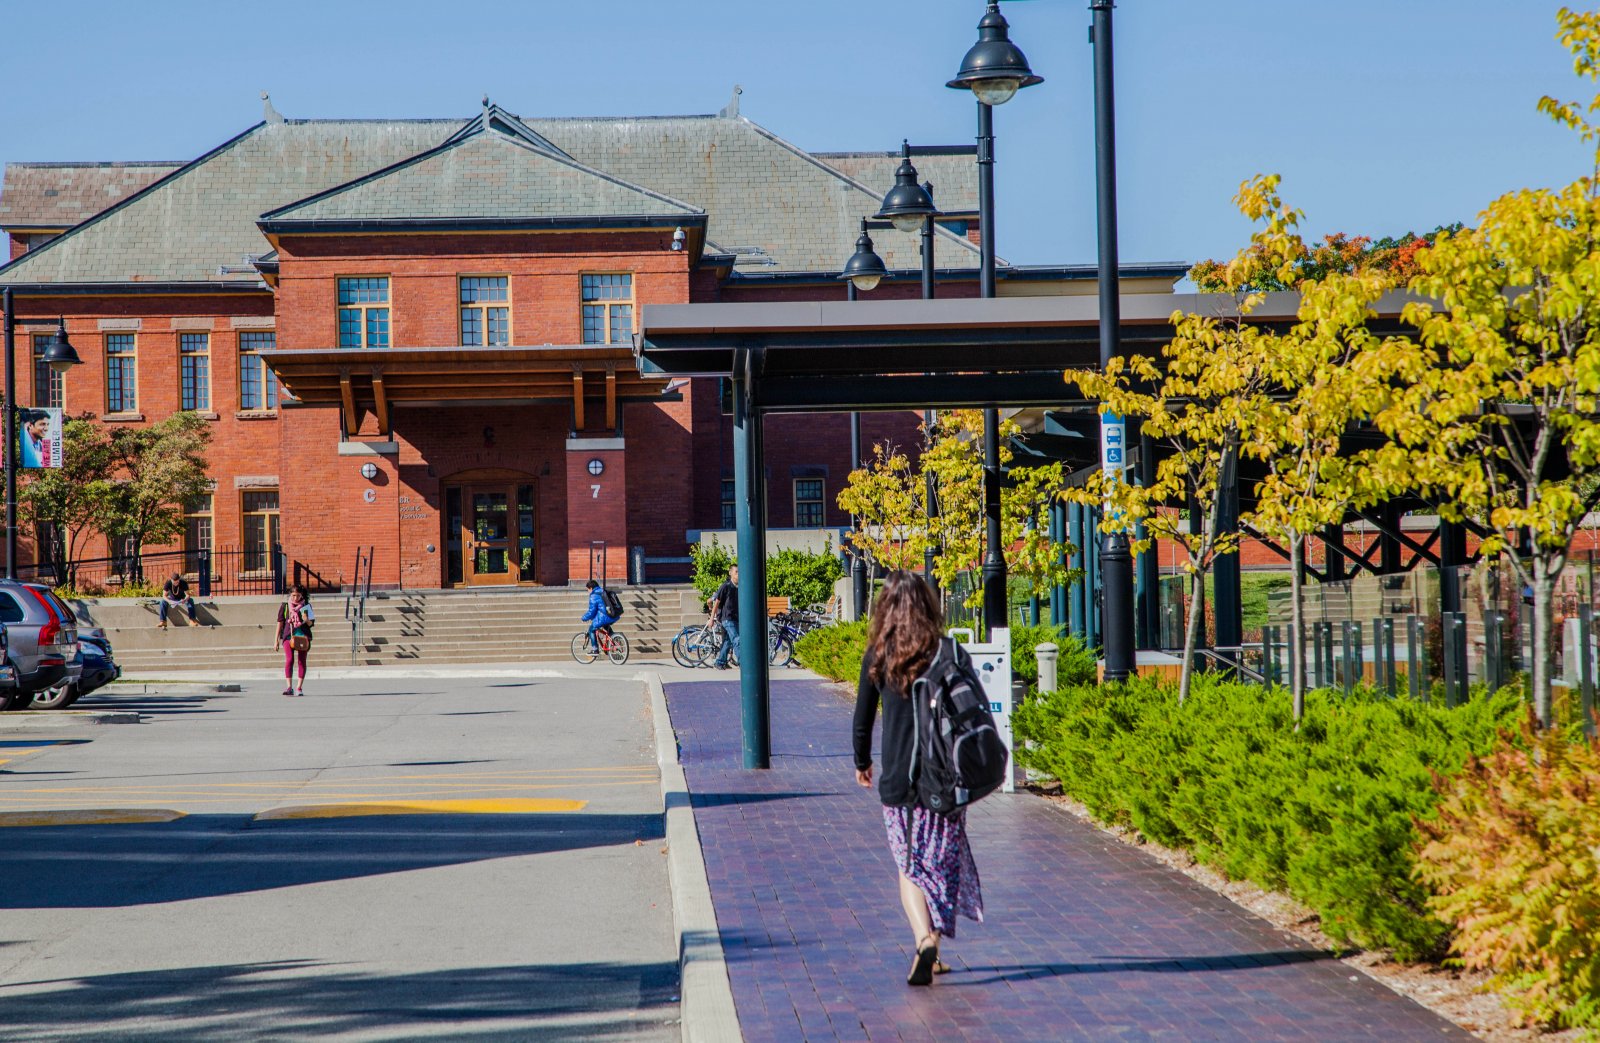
711, 563
1326, 813
835, 651
803, 577
1075, 663
1513, 859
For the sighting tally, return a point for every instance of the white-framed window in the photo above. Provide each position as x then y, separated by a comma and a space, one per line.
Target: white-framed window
258, 385
608, 308
364, 311
485, 311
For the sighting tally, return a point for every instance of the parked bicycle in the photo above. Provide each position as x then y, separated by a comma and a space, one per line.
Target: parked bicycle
613, 646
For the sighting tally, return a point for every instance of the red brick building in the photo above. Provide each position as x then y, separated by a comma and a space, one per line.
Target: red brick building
416, 335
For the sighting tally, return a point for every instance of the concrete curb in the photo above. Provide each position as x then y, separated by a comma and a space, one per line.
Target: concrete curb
706, 997
35, 720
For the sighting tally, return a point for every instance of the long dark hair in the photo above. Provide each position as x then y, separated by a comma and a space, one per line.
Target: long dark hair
906, 626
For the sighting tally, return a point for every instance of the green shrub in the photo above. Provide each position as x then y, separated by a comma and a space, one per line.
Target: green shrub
1075, 663
803, 577
1513, 859
1326, 813
834, 651
711, 563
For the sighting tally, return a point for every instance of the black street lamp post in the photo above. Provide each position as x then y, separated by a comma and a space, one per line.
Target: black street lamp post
909, 207
1116, 561
862, 273
59, 356
994, 69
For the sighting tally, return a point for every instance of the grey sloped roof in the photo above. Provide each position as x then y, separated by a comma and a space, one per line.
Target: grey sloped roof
778, 207
954, 177
60, 195
485, 174
181, 228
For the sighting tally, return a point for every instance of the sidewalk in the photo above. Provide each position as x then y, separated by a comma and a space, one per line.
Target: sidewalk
1086, 938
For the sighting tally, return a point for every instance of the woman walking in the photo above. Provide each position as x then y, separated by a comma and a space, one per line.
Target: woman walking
938, 878
295, 622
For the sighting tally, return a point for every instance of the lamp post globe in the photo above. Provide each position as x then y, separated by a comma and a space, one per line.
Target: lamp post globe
994, 68
60, 355
907, 204
864, 269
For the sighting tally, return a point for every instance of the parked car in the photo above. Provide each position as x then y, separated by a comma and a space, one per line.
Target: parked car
96, 669
41, 640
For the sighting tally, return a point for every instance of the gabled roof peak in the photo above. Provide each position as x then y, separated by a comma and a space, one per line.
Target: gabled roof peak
495, 120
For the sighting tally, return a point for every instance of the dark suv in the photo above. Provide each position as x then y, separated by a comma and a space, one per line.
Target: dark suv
41, 639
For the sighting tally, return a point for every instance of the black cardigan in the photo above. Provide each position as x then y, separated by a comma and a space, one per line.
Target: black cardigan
899, 727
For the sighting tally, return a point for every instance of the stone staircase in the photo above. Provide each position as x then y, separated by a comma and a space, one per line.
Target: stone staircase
431, 627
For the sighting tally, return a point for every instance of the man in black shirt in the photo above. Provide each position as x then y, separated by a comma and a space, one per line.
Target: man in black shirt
175, 594
725, 610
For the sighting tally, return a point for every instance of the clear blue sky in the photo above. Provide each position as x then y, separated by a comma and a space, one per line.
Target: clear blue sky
1383, 115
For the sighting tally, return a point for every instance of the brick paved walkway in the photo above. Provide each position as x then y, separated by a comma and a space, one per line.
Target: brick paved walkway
1085, 938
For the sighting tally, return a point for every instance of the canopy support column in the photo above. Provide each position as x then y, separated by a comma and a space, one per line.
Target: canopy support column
750, 510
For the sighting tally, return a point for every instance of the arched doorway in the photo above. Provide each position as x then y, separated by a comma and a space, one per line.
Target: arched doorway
490, 528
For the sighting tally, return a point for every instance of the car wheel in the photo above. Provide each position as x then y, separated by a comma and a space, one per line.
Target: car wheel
57, 698
17, 699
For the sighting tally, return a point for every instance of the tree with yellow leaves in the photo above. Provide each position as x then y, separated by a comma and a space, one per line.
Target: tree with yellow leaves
889, 501
1194, 403
1506, 429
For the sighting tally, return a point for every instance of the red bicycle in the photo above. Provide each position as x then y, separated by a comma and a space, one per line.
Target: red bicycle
613, 646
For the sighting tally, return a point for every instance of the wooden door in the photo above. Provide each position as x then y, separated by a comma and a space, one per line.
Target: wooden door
490, 537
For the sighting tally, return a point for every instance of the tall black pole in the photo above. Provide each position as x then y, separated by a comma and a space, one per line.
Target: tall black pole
11, 434
750, 514
1116, 563
858, 564
928, 414
994, 562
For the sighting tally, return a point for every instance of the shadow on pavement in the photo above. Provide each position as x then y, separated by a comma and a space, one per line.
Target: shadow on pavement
1245, 961
201, 856
719, 800
297, 999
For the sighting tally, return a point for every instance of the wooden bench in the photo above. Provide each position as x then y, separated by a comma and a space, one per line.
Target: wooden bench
777, 606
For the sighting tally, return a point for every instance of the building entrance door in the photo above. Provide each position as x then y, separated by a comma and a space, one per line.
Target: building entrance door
489, 533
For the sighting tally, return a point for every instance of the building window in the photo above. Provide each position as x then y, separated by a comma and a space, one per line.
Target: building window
364, 312
196, 532
809, 509
485, 311
121, 387
194, 371
48, 390
728, 519
258, 385
608, 309
260, 529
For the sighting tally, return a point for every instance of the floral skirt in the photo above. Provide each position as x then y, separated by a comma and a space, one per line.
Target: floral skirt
939, 861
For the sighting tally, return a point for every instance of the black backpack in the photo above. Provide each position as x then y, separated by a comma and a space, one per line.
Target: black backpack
613, 604
959, 756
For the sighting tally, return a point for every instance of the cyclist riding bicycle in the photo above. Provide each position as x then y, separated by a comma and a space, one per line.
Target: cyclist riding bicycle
597, 617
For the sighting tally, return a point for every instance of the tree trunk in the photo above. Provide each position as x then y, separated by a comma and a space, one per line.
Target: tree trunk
1544, 619
1191, 632
1297, 627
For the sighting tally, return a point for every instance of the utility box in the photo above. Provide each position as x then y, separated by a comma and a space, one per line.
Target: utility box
992, 661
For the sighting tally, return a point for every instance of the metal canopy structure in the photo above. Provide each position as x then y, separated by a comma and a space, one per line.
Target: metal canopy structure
873, 355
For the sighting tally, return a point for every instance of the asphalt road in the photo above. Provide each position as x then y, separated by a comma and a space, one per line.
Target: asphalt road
380, 860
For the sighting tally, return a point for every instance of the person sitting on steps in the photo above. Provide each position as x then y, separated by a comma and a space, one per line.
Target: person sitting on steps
175, 594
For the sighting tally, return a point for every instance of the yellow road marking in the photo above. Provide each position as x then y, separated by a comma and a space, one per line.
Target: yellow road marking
289, 794
528, 806
86, 817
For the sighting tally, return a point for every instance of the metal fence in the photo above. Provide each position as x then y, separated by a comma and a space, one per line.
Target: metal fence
219, 572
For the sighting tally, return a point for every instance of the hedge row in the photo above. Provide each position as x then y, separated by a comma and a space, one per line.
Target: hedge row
836, 652
1326, 813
